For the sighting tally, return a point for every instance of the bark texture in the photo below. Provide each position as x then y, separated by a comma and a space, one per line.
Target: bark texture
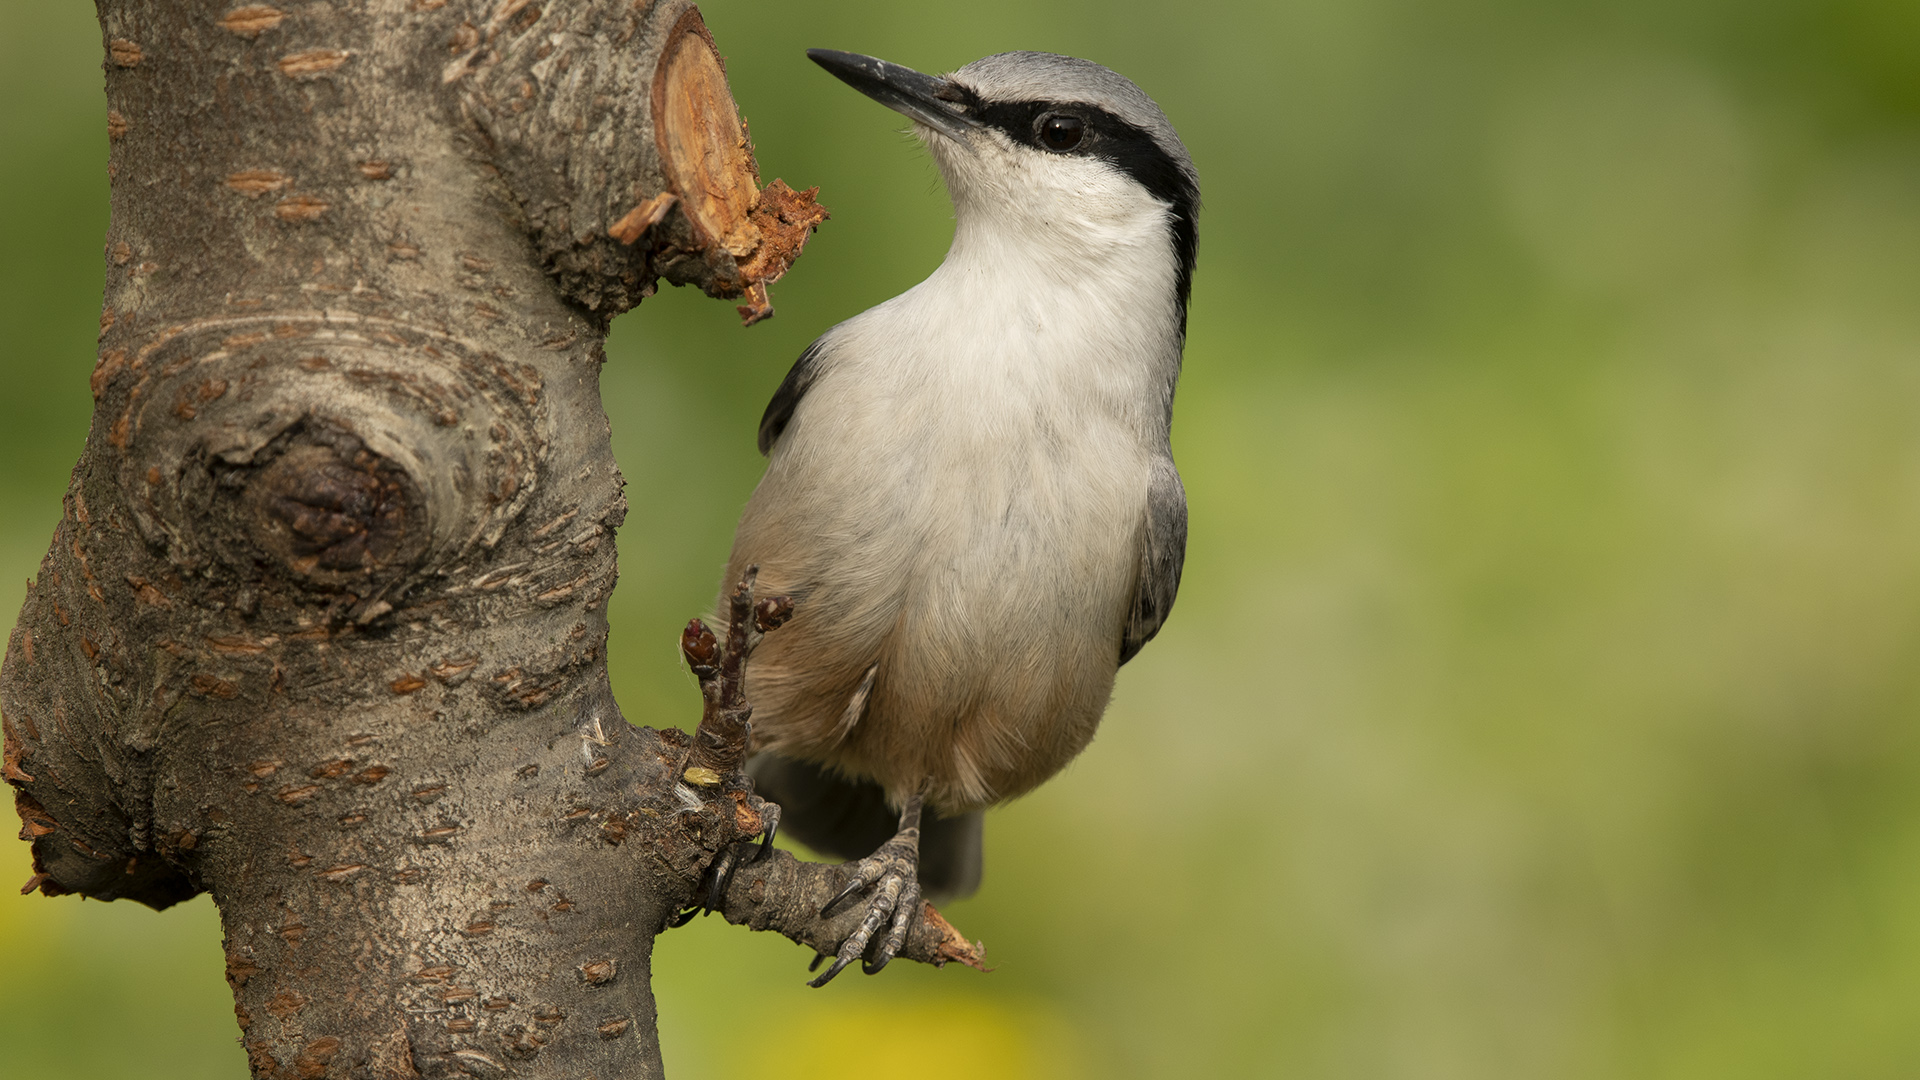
322, 629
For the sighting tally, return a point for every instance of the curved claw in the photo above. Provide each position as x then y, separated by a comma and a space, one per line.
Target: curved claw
839, 964
721, 875
903, 913
854, 888
772, 817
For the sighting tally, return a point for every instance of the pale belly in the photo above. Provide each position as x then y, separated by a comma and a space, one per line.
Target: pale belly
989, 582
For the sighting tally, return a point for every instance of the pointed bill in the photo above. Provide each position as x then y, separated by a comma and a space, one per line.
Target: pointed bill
901, 89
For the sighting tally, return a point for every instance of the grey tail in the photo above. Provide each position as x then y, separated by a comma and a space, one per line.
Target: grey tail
850, 819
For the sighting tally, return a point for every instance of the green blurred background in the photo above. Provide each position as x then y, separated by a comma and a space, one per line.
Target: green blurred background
1541, 698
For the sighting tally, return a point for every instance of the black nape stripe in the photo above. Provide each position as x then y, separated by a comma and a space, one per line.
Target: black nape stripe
1128, 147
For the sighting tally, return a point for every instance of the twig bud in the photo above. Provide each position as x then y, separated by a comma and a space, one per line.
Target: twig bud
700, 647
772, 613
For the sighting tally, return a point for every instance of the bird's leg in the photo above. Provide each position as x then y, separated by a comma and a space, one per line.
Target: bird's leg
893, 873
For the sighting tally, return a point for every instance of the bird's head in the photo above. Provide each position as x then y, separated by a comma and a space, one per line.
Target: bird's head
1050, 149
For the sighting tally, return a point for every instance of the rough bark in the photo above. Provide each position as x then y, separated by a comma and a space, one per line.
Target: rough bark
322, 629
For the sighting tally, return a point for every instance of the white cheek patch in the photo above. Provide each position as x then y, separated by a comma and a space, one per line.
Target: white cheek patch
1025, 189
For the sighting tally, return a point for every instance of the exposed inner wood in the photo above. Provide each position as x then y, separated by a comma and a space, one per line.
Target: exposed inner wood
702, 141
708, 159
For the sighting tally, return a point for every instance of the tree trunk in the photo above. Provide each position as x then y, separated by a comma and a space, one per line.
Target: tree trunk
322, 630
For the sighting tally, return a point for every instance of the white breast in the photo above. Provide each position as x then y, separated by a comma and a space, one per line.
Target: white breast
977, 431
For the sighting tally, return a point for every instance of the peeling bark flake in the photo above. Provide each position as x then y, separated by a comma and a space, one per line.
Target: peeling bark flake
454, 670
144, 592
312, 62
236, 645
311, 1062
475, 1063
111, 362
213, 686
240, 969
254, 183
331, 770
252, 20
642, 217
298, 208
12, 752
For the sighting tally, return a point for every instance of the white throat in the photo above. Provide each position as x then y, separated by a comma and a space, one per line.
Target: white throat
1060, 269
1041, 231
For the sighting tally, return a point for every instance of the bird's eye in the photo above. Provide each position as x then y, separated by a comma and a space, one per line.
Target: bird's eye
1062, 133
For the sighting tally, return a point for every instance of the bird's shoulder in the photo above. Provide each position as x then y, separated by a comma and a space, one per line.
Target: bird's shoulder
786, 398
852, 344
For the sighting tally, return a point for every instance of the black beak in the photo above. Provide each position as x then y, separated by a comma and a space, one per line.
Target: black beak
901, 89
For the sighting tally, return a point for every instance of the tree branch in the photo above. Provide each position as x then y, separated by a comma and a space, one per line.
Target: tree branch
322, 628
783, 894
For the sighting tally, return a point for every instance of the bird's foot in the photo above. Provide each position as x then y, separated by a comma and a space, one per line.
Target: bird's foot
893, 876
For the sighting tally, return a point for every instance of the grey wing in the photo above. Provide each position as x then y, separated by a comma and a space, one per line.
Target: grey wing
1163, 552
787, 398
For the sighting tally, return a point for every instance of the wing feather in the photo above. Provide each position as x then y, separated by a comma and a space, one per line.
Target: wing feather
799, 380
1163, 553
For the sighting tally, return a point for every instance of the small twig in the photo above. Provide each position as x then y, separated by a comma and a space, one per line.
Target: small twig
783, 894
720, 743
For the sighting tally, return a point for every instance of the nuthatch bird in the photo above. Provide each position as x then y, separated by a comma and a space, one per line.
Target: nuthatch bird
970, 493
